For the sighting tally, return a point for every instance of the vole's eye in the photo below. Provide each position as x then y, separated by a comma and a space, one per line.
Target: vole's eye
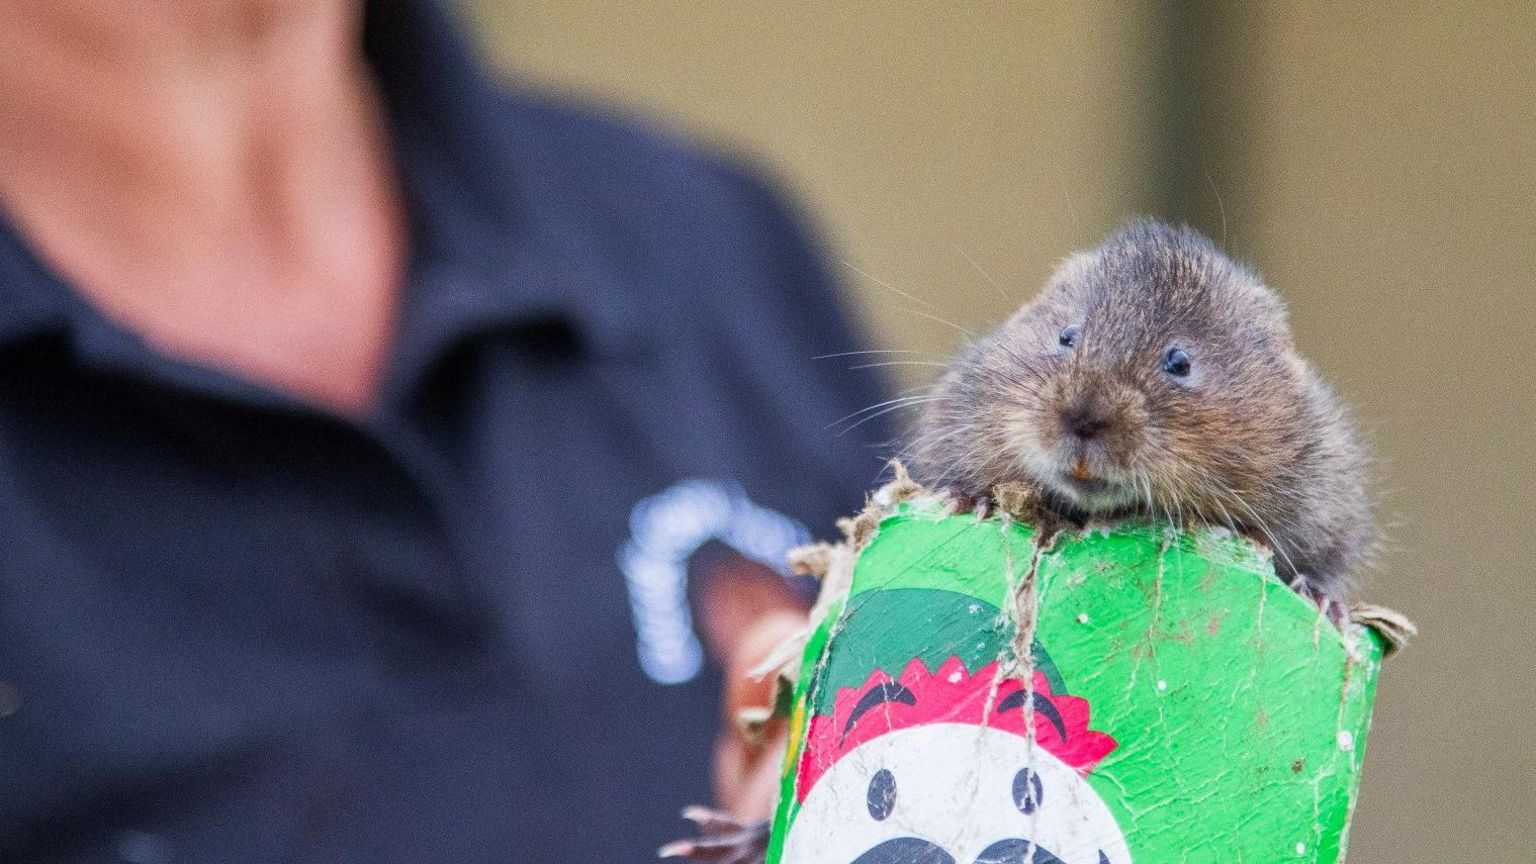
881, 797
1176, 363
1071, 335
1028, 791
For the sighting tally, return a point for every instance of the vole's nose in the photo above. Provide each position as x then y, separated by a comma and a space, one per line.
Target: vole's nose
1086, 420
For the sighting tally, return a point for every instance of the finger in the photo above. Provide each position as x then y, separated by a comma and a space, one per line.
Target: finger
760, 791
747, 783
753, 646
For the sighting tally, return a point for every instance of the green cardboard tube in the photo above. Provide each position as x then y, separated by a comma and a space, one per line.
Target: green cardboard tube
1176, 702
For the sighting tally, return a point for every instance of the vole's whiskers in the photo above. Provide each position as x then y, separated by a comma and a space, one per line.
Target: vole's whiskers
1026, 364
1263, 527
943, 477
1144, 485
886, 408
876, 351
984, 274
933, 436
936, 315
1220, 206
901, 363
898, 399
1227, 520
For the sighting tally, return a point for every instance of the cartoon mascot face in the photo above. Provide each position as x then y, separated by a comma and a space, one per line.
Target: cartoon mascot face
951, 767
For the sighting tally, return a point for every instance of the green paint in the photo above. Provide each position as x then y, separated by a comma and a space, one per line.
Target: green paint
1240, 717
876, 634
938, 553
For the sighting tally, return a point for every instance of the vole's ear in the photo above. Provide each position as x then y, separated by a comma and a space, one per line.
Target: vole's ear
1278, 339
1269, 323
1259, 303
1071, 271
1271, 310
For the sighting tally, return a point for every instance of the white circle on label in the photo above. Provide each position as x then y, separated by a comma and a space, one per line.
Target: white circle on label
956, 792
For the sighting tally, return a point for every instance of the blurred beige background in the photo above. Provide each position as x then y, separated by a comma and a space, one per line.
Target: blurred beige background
1378, 167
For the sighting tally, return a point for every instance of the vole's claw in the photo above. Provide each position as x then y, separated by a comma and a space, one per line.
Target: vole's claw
722, 838
963, 502
1327, 606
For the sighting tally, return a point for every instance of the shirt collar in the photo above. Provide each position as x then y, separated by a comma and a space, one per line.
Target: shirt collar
31, 303
486, 254
483, 256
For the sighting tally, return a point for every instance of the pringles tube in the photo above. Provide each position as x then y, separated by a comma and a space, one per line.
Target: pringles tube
970, 693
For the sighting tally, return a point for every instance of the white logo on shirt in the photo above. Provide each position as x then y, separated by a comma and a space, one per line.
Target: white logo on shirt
665, 530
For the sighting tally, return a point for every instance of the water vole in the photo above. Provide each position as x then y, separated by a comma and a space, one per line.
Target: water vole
1152, 377
1155, 377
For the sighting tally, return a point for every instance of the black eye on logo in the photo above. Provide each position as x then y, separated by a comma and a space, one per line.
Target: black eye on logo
881, 798
1176, 363
1070, 336
1028, 791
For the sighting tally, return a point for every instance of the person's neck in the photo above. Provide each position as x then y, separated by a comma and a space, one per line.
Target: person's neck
203, 169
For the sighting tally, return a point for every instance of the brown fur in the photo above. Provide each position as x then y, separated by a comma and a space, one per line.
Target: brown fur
1251, 439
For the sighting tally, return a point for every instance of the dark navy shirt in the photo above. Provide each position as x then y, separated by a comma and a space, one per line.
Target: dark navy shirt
235, 627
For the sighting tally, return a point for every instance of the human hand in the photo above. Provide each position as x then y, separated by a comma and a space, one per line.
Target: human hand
746, 614
747, 761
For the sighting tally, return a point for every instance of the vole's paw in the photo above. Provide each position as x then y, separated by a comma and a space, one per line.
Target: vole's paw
1327, 605
1024, 502
722, 838
1394, 627
964, 502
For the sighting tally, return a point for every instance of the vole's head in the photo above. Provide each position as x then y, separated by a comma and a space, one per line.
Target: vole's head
1152, 372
